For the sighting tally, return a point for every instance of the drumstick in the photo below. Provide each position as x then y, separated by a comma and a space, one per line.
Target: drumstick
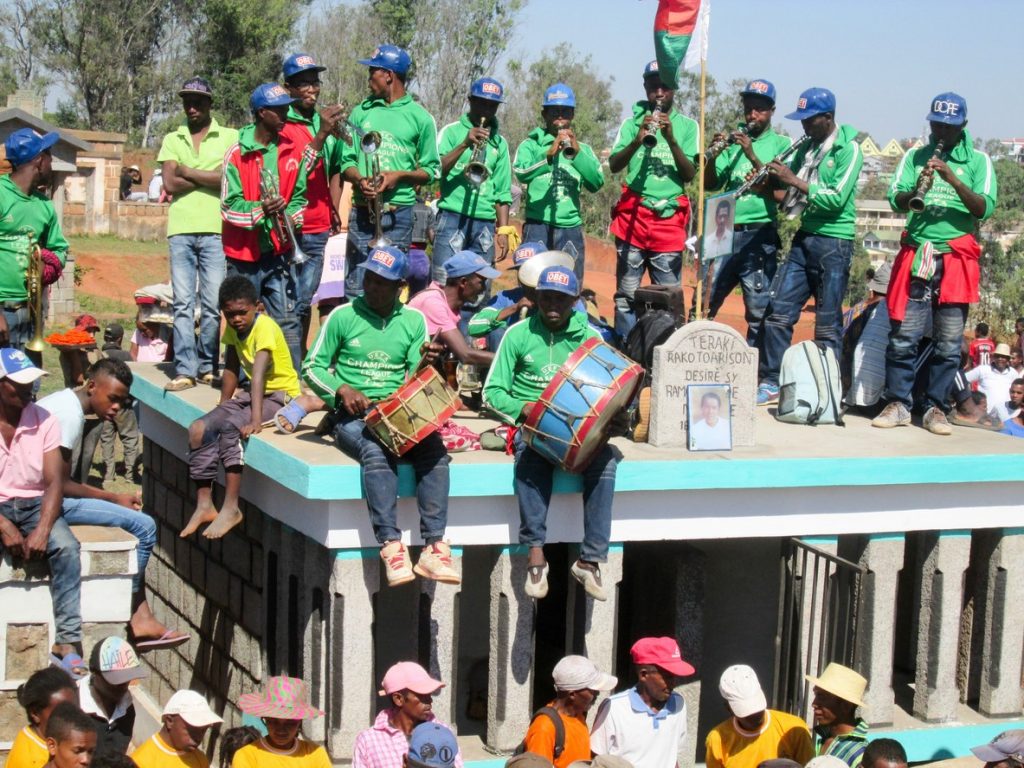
423, 360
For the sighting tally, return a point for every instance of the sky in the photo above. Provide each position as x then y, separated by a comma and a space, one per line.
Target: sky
883, 60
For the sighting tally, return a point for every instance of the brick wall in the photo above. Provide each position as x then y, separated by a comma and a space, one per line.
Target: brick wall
139, 221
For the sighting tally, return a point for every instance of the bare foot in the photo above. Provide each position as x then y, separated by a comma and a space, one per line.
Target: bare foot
227, 519
146, 628
205, 513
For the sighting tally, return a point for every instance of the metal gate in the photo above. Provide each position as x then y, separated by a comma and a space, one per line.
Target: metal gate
819, 603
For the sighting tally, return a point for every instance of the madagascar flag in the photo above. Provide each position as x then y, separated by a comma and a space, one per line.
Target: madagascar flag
677, 24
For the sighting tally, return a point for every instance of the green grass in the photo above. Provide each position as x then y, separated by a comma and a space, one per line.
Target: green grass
108, 244
113, 309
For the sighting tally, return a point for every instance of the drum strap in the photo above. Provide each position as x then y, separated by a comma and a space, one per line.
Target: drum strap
510, 440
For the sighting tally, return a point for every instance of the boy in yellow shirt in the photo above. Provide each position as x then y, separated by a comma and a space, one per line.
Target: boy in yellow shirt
39, 695
185, 720
282, 707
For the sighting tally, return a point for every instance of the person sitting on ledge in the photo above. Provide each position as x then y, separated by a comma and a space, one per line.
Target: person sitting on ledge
282, 707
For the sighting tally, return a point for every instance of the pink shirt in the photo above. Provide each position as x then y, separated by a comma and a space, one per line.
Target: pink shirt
21, 463
432, 302
150, 350
383, 746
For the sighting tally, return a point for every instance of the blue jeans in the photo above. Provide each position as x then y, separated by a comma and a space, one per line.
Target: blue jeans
947, 332
534, 476
752, 266
395, 225
275, 284
817, 266
307, 274
196, 257
379, 469
110, 515
568, 239
663, 267
62, 553
455, 232
19, 327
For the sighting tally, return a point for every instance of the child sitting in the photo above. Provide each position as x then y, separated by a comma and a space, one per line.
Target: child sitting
150, 342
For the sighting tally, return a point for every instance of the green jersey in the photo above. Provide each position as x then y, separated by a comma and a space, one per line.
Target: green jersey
945, 217
408, 143
370, 353
527, 359
553, 184
652, 173
457, 194
831, 202
732, 167
21, 214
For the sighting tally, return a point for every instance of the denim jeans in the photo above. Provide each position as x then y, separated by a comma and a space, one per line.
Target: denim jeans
534, 476
196, 259
19, 327
663, 267
379, 469
275, 284
395, 225
568, 239
307, 274
817, 266
947, 331
62, 554
751, 265
110, 515
455, 232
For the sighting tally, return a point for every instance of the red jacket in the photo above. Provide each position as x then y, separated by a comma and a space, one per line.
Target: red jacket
317, 216
961, 275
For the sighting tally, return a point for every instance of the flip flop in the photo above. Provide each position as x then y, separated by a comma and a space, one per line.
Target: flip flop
289, 417
169, 639
73, 664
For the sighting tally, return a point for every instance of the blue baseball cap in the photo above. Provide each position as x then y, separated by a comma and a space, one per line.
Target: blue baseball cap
559, 95
389, 57
560, 279
763, 88
300, 62
469, 263
432, 746
487, 88
269, 95
527, 251
26, 144
651, 69
949, 108
387, 262
15, 365
196, 86
813, 101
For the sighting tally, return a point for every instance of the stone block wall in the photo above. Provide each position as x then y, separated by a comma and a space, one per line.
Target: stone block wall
138, 221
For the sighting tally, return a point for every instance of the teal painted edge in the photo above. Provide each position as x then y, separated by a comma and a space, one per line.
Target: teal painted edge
928, 744
364, 553
515, 549
819, 539
955, 534
886, 536
1013, 531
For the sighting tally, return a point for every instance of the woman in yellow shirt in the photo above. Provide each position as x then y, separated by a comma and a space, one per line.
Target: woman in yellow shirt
39, 695
282, 706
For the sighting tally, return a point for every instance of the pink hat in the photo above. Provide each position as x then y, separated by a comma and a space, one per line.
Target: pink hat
284, 698
661, 652
408, 676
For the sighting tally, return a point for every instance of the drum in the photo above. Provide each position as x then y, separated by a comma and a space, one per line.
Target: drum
417, 409
569, 424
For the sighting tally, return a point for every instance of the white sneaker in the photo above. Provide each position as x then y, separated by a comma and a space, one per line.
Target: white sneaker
537, 581
397, 565
436, 563
590, 578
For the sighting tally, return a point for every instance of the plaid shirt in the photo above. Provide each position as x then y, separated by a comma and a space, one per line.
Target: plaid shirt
383, 746
848, 747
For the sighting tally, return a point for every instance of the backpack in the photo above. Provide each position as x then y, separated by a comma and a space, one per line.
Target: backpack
810, 388
556, 720
651, 330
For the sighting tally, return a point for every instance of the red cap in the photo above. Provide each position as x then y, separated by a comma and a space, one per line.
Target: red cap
662, 652
86, 323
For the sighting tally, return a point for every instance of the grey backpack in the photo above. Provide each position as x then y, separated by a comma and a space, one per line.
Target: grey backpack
810, 387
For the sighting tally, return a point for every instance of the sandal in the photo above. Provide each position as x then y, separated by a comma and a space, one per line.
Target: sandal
179, 383
169, 639
73, 664
289, 417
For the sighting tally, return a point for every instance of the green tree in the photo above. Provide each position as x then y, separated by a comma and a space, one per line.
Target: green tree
397, 20
1009, 210
19, 48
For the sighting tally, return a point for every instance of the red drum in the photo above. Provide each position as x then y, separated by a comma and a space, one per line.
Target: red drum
569, 424
417, 409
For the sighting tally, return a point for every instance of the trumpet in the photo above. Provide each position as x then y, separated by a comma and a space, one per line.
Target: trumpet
925, 181
729, 139
566, 148
476, 171
284, 230
370, 143
35, 288
650, 138
762, 172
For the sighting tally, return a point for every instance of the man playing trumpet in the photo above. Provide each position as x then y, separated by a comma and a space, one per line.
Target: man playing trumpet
476, 181
935, 275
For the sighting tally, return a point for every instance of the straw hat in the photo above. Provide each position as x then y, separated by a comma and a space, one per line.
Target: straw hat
842, 682
1002, 349
284, 698
529, 273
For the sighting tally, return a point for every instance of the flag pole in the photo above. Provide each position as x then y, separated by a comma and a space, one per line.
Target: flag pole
699, 308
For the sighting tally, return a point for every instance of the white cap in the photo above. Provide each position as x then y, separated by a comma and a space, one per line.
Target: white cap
578, 673
192, 708
742, 691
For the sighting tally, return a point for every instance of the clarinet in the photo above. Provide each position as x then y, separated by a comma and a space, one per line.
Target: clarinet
716, 147
925, 181
762, 172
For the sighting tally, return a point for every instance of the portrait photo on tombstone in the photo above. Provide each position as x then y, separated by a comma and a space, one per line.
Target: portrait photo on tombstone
719, 217
707, 417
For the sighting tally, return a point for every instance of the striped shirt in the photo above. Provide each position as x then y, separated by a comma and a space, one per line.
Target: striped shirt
848, 747
383, 746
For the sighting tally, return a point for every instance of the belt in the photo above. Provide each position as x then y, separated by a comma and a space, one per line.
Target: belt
752, 227
14, 306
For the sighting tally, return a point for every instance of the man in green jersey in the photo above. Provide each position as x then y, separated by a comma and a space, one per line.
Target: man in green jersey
362, 354
935, 275
755, 240
407, 157
555, 166
473, 209
820, 186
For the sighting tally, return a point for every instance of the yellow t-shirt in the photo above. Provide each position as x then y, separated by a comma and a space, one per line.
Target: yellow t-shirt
540, 739
783, 735
266, 334
28, 750
259, 754
157, 753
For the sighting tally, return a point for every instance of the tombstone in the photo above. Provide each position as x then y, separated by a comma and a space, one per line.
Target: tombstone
703, 352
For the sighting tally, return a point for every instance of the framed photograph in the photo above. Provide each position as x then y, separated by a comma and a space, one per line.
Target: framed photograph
719, 219
708, 422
